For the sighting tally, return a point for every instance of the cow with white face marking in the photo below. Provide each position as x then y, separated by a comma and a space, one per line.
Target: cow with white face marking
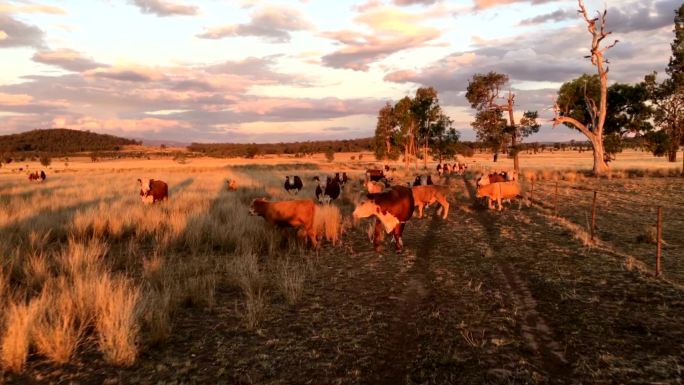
153, 190
293, 183
392, 209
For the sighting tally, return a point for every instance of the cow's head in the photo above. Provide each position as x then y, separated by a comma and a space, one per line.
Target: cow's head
480, 191
258, 206
366, 209
144, 186
483, 180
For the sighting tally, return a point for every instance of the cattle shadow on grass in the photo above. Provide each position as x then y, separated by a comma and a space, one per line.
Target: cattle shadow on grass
177, 188
15, 234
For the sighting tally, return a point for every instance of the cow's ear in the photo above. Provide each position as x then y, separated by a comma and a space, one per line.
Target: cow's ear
139, 181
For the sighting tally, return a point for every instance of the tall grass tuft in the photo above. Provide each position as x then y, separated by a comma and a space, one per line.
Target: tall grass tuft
156, 315
328, 222
14, 347
289, 279
249, 277
82, 257
57, 332
36, 271
117, 302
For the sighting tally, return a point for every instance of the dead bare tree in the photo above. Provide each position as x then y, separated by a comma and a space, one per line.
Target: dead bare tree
593, 129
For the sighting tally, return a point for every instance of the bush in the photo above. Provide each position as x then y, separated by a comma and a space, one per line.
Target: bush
251, 151
45, 160
330, 155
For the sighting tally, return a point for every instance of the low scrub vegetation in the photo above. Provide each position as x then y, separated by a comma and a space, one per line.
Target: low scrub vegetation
89, 267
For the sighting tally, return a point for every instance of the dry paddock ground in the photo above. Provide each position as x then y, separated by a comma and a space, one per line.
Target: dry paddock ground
217, 297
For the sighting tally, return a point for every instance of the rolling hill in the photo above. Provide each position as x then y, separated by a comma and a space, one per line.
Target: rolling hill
61, 141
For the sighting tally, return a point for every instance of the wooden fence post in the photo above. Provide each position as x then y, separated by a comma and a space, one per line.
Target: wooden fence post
531, 190
555, 201
659, 235
593, 216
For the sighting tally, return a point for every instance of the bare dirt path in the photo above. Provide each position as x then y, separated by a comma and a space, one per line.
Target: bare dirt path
533, 327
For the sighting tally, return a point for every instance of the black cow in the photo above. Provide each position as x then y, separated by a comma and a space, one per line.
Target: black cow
293, 183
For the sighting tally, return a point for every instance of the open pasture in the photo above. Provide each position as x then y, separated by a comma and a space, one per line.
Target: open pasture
100, 288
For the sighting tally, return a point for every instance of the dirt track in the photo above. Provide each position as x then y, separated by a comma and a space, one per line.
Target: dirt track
483, 297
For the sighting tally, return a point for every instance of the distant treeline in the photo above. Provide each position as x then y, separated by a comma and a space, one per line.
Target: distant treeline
250, 150
59, 142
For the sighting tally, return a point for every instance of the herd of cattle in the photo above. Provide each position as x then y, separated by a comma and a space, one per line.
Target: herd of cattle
393, 204
37, 176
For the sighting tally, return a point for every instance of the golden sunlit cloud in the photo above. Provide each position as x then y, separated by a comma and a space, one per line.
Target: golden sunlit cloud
31, 8
15, 99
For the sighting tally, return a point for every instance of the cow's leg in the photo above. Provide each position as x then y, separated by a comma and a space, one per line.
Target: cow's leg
445, 206
490, 203
312, 237
397, 232
378, 235
499, 203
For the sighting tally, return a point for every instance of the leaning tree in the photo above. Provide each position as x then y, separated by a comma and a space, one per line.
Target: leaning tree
593, 127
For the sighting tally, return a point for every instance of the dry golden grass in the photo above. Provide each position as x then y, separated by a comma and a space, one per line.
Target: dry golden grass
249, 276
116, 322
56, 331
156, 314
289, 279
125, 268
328, 223
14, 348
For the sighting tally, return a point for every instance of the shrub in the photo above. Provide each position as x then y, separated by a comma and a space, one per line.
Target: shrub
45, 160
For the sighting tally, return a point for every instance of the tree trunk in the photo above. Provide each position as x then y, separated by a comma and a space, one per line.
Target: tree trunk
425, 151
600, 165
672, 155
514, 136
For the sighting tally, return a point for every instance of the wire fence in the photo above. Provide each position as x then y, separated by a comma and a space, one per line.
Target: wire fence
646, 222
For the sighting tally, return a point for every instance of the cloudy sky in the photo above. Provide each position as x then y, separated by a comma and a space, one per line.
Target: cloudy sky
265, 71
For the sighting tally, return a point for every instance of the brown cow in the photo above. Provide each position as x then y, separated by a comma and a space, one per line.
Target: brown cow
298, 214
427, 195
392, 209
498, 191
153, 190
491, 178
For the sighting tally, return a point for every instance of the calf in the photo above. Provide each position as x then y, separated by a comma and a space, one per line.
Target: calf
153, 190
392, 209
498, 191
426, 195
293, 184
298, 214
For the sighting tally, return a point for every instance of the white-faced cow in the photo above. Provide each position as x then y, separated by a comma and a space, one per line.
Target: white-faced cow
293, 183
153, 190
392, 209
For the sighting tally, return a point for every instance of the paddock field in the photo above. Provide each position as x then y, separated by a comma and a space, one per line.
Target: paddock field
100, 289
